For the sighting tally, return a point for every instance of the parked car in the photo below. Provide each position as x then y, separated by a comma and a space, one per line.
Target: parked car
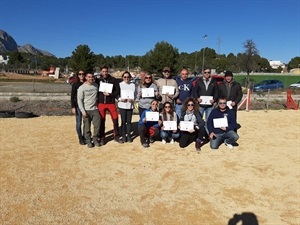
265, 85
295, 85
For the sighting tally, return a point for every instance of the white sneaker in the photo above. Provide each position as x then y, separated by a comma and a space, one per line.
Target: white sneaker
172, 141
229, 145
163, 141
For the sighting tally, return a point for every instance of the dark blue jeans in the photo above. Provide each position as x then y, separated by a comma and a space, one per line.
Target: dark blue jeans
78, 122
229, 137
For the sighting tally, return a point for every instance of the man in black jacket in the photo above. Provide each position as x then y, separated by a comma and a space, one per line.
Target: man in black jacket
231, 91
106, 101
206, 87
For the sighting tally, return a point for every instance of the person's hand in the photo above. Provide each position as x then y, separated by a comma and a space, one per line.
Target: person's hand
211, 101
129, 100
233, 104
178, 101
192, 131
74, 111
156, 93
199, 100
223, 128
212, 135
106, 93
160, 123
145, 120
84, 114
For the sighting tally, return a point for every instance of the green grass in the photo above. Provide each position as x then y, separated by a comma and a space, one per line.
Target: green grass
287, 80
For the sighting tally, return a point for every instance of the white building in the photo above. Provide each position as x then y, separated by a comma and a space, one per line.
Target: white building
275, 64
4, 61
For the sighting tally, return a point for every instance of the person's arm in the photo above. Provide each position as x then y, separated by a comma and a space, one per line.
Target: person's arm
80, 98
239, 94
116, 89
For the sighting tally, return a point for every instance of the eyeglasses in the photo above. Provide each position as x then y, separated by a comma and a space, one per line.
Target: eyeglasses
184, 74
167, 106
222, 103
148, 77
154, 104
126, 77
166, 71
190, 104
206, 72
80, 74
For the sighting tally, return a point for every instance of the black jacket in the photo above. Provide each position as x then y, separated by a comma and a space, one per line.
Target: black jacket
234, 94
74, 89
115, 91
200, 90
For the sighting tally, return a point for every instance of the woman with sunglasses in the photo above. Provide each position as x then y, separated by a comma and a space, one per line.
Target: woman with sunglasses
168, 114
190, 112
148, 130
144, 102
125, 105
78, 81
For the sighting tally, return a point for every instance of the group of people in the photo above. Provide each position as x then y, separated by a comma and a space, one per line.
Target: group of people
170, 110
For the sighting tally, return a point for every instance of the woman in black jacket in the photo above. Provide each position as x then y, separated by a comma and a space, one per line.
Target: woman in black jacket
79, 80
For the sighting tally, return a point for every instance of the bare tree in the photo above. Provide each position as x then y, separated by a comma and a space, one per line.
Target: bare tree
248, 59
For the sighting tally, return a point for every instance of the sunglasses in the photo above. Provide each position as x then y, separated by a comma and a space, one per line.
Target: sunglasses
166, 71
190, 104
222, 103
206, 72
167, 106
126, 77
80, 74
148, 77
184, 74
154, 104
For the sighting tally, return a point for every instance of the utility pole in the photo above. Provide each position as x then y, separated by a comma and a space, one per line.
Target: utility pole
205, 36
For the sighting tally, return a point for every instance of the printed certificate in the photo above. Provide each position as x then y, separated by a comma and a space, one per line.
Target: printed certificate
206, 100
127, 94
105, 87
186, 125
152, 116
220, 122
229, 104
168, 89
147, 92
170, 125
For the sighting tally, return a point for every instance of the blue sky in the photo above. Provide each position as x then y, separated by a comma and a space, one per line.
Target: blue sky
133, 27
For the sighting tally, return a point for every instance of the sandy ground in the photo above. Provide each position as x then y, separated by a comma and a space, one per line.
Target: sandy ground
47, 178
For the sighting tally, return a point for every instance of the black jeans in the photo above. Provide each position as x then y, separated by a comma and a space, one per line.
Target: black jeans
126, 117
187, 138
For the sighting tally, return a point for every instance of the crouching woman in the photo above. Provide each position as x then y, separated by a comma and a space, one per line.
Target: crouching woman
190, 112
148, 130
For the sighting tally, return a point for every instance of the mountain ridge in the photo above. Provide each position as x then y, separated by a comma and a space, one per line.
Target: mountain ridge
8, 44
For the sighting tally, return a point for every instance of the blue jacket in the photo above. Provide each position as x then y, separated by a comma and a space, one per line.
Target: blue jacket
216, 113
148, 123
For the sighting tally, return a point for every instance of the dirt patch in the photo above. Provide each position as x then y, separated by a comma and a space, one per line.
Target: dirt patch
48, 178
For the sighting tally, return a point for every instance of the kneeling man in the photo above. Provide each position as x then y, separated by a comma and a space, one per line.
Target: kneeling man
221, 124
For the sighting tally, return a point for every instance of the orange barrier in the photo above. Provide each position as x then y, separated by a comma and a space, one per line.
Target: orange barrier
290, 103
247, 100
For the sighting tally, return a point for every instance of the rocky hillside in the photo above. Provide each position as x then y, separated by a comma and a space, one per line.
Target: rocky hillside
8, 44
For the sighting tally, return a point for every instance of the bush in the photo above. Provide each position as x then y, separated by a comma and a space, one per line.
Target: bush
15, 99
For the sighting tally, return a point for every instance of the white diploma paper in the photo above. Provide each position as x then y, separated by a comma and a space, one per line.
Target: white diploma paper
152, 116
206, 100
147, 92
127, 94
168, 89
229, 104
186, 125
170, 125
105, 87
220, 122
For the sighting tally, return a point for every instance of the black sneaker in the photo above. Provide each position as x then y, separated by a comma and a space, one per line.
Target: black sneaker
120, 141
97, 144
81, 141
145, 145
198, 145
101, 141
90, 145
151, 140
129, 139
